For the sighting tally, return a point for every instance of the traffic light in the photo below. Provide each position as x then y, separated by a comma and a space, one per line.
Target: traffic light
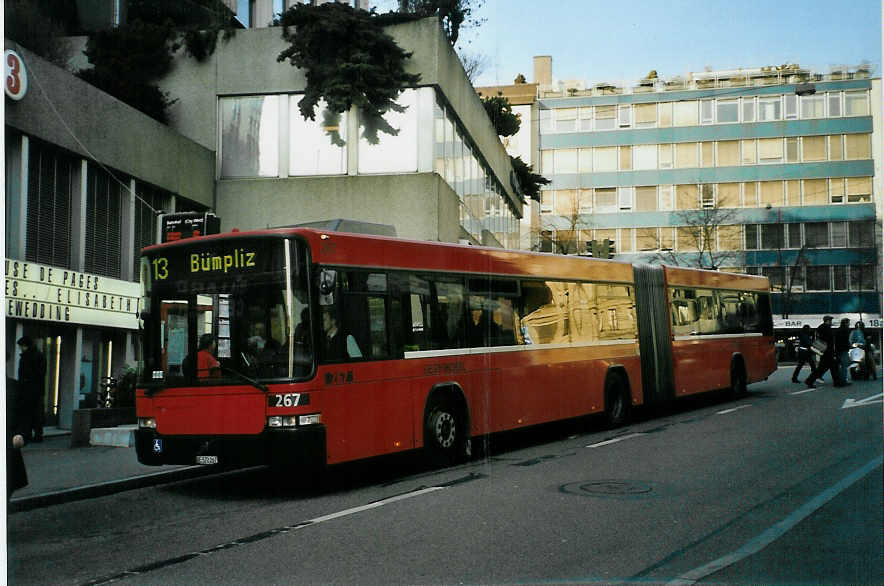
608, 249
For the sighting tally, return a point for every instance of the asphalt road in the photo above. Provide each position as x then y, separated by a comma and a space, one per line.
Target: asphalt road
781, 486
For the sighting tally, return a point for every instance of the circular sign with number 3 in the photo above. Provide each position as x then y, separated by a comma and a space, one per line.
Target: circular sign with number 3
16, 76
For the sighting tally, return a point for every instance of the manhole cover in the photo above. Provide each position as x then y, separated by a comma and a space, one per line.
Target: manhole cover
608, 488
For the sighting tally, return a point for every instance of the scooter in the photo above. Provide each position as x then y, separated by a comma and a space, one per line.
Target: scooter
857, 362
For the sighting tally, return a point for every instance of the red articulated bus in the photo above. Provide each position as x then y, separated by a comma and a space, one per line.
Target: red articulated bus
300, 348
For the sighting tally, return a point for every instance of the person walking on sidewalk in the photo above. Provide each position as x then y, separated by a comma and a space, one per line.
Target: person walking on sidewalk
18, 422
31, 377
805, 354
827, 360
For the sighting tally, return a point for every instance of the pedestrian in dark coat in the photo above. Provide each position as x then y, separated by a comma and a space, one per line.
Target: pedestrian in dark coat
827, 360
31, 377
18, 421
805, 354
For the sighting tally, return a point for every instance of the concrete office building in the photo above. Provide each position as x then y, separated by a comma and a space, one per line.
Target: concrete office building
85, 172
783, 164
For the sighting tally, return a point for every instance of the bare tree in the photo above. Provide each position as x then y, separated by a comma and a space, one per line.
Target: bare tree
697, 247
474, 64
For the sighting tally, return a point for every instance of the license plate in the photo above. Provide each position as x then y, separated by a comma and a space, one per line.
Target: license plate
207, 459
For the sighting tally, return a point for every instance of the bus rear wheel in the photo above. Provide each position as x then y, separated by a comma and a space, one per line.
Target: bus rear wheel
444, 433
616, 401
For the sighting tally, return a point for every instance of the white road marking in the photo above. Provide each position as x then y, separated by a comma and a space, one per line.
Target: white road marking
726, 411
374, 505
848, 403
615, 440
767, 537
802, 392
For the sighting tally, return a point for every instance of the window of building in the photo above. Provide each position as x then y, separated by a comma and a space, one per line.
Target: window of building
816, 234
546, 121
862, 277
836, 148
730, 237
546, 162
584, 201
605, 200
625, 158
584, 113
566, 202
686, 113
625, 241
624, 115
395, 154
751, 236
770, 150
862, 234
813, 106
51, 185
645, 115
748, 109
667, 238
839, 278
566, 119
604, 159
793, 193
771, 193
666, 197
769, 109
707, 195
646, 199
817, 278
791, 101
688, 238
776, 275
859, 189
839, 234
772, 237
792, 149
624, 196
793, 233
250, 136
547, 200
686, 197
728, 111
644, 156
814, 192
836, 190
750, 195
707, 111
857, 146
728, 153
104, 223
647, 239
665, 113
605, 117
565, 161
834, 100
584, 160
856, 103
749, 155
729, 195
795, 274
665, 156
813, 148
707, 154
686, 155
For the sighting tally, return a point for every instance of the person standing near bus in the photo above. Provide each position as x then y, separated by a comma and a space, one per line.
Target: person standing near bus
805, 354
206, 363
827, 360
31, 376
842, 347
18, 424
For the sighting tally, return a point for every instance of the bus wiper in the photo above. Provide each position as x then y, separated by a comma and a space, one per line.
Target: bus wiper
245, 378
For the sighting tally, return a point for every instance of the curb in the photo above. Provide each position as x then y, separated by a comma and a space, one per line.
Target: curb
47, 499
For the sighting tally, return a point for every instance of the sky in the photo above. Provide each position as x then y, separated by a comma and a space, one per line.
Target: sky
620, 41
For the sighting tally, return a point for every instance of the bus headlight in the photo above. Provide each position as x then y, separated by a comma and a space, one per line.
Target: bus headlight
147, 423
282, 421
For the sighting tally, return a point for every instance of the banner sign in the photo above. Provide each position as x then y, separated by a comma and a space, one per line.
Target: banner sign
871, 320
45, 293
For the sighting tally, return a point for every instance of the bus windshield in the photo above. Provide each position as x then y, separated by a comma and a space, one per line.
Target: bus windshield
225, 312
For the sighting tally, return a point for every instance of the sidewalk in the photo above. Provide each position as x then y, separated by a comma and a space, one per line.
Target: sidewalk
58, 473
